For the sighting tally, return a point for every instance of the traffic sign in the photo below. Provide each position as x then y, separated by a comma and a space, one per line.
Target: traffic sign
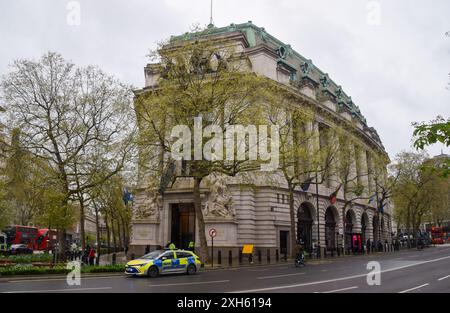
212, 233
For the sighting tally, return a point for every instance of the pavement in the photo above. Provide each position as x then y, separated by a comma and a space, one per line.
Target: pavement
407, 271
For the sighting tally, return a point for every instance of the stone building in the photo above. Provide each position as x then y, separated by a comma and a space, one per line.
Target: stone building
259, 214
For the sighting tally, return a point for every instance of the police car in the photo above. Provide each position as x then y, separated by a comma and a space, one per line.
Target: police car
164, 262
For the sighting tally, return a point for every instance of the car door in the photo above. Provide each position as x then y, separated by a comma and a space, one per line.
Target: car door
167, 259
181, 261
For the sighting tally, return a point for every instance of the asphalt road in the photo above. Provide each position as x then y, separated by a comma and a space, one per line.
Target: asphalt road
426, 271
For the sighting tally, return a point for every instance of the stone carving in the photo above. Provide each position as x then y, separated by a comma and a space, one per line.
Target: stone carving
219, 203
149, 207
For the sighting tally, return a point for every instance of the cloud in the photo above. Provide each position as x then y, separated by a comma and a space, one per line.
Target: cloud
395, 72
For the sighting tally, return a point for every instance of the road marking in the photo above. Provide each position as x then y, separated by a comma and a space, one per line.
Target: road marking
58, 290
265, 270
442, 278
63, 279
337, 279
415, 288
339, 290
196, 283
276, 276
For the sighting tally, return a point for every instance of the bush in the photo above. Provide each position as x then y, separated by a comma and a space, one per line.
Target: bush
27, 258
59, 269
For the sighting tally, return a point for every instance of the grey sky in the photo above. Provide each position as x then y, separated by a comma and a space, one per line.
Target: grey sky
396, 72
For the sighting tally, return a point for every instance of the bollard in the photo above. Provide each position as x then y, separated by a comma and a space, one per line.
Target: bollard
114, 259
219, 257
277, 256
240, 257
230, 258
268, 256
259, 256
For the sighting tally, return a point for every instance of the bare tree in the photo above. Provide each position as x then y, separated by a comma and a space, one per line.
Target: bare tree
68, 115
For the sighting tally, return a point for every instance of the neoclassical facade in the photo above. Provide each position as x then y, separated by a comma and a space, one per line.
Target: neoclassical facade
258, 213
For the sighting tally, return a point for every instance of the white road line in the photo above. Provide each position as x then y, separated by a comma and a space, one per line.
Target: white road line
337, 279
339, 290
442, 278
415, 288
276, 276
58, 290
63, 279
196, 283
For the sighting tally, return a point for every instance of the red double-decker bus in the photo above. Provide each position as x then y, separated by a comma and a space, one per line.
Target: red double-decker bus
437, 235
46, 239
22, 235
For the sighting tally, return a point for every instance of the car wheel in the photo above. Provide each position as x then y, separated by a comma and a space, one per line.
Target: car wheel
191, 269
153, 272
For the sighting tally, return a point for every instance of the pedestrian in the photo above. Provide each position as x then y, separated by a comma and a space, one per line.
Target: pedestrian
91, 256
191, 246
126, 250
147, 249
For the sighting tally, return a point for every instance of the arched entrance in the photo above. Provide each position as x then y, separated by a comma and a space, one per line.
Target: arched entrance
375, 228
348, 231
353, 241
304, 225
330, 229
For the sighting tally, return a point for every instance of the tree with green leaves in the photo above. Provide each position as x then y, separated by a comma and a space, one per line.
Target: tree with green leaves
436, 131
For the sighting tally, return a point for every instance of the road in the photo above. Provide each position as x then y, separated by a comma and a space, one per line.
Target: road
426, 271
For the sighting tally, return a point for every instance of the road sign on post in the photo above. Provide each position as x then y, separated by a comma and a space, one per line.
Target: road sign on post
212, 233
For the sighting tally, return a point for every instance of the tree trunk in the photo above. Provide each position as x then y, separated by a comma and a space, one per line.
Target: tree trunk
293, 219
124, 233
113, 233
108, 234
82, 231
204, 255
118, 233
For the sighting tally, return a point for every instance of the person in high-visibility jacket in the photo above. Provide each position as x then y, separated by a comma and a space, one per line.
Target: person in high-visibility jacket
191, 246
172, 246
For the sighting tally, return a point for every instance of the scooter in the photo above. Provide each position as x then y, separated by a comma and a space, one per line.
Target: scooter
300, 260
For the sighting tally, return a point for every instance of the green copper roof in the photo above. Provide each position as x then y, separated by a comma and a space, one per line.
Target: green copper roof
257, 35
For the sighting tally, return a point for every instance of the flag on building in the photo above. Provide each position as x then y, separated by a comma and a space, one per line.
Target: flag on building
333, 196
372, 198
305, 185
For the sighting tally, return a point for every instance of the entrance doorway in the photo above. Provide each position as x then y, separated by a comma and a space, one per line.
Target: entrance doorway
330, 230
183, 224
304, 226
284, 239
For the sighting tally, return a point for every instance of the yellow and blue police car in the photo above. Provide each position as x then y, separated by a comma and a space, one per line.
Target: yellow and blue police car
164, 262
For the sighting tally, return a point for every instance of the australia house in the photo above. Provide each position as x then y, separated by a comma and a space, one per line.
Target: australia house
258, 213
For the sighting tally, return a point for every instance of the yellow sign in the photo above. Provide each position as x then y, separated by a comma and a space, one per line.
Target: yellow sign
247, 249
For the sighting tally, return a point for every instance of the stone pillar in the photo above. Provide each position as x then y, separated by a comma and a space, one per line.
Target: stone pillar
363, 170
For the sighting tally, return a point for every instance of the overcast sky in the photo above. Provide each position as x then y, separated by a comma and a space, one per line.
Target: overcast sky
394, 64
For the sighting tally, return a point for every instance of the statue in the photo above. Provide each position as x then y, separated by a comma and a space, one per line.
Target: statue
149, 208
219, 203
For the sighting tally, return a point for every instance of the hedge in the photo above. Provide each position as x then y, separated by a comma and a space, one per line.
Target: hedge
26, 258
30, 270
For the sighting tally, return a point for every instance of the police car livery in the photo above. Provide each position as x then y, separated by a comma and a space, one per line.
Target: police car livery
164, 262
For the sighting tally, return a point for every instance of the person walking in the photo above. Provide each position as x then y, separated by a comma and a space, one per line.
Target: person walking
191, 246
91, 256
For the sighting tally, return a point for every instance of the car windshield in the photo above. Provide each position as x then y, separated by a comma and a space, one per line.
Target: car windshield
152, 255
